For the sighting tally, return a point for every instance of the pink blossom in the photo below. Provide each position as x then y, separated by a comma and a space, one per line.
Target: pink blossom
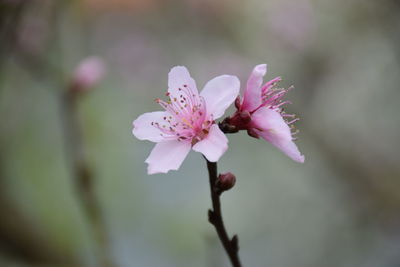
88, 73
188, 121
261, 113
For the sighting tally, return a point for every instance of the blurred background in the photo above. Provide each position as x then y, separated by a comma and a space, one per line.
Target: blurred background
60, 151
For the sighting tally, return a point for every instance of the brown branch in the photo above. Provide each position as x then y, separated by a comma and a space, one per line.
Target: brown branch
215, 217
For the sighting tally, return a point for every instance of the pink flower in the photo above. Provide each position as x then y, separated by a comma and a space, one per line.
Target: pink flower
261, 113
188, 120
88, 73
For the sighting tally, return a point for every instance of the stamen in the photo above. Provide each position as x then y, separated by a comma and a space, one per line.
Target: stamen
288, 115
270, 84
293, 121
187, 115
282, 103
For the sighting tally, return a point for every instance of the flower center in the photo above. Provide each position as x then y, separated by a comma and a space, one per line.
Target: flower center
187, 119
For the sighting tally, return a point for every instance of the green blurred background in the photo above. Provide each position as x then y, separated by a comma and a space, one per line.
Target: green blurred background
340, 208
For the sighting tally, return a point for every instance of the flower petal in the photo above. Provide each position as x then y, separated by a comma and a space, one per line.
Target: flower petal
143, 130
177, 78
214, 145
270, 125
252, 95
219, 93
166, 156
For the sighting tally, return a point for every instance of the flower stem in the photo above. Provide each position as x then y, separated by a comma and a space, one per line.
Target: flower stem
215, 218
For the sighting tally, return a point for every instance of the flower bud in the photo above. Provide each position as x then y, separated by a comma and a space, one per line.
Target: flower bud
88, 73
225, 181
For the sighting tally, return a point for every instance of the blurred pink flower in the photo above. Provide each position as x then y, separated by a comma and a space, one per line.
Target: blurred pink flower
88, 73
261, 113
188, 120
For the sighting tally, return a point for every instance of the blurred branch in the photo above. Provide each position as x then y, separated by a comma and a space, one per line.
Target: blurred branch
82, 173
40, 66
20, 240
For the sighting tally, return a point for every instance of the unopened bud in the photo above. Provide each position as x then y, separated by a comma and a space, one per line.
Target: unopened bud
253, 133
245, 116
237, 102
225, 181
88, 73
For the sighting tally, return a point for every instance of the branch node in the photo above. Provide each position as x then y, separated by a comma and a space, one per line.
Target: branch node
211, 217
235, 243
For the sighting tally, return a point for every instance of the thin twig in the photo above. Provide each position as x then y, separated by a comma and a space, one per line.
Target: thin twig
215, 218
